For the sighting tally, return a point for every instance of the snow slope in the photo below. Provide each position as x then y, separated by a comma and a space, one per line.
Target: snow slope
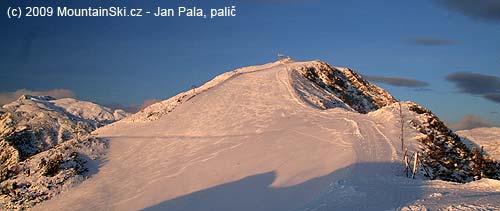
489, 138
260, 138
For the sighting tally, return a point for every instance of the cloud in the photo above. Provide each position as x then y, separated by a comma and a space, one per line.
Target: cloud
487, 10
133, 108
7, 97
423, 89
495, 97
475, 83
402, 82
468, 122
429, 41
487, 86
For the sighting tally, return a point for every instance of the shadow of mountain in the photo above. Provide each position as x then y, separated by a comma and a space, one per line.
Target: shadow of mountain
362, 186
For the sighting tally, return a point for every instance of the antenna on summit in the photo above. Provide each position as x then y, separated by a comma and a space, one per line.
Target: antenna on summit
284, 59
281, 56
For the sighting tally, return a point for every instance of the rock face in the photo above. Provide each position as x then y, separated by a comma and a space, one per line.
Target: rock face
45, 138
347, 86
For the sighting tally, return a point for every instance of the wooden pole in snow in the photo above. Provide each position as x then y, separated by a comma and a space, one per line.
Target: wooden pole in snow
407, 166
415, 165
405, 162
402, 124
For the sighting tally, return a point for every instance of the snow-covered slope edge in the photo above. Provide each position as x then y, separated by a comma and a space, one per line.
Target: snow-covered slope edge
45, 146
487, 138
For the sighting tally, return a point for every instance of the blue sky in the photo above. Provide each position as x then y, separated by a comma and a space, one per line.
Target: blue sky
129, 60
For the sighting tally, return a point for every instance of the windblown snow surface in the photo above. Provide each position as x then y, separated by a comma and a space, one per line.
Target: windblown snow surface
253, 139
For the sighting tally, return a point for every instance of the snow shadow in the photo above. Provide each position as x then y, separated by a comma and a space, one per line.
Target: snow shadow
471, 144
362, 186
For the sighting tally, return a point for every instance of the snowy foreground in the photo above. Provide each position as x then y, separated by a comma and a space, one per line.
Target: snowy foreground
253, 139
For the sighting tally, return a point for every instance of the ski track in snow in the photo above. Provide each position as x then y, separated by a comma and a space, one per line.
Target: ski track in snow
252, 123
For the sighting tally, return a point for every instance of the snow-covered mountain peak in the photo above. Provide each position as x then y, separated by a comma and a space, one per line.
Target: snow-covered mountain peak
316, 83
32, 97
94, 114
90, 111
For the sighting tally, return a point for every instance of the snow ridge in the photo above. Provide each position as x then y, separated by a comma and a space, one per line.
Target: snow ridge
160, 109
